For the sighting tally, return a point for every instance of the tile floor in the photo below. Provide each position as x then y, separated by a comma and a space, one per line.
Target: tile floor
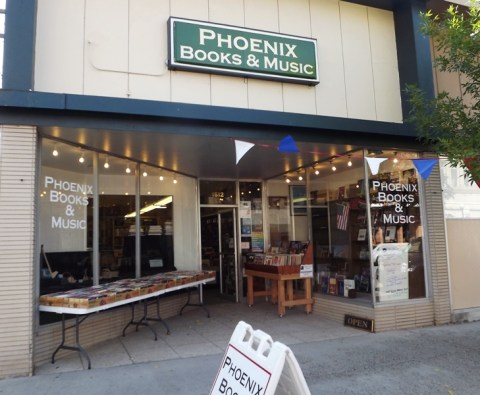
194, 334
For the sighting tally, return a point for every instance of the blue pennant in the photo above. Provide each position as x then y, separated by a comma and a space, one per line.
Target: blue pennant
424, 166
288, 145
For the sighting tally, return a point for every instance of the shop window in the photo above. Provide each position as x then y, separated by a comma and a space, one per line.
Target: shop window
340, 227
156, 220
397, 233
65, 197
66, 212
287, 210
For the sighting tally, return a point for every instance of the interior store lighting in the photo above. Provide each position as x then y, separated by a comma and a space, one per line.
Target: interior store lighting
175, 179
161, 177
349, 161
82, 158
287, 180
55, 151
333, 166
144, 173
128, 170
395, 159
106, 164
161, 204
300, 177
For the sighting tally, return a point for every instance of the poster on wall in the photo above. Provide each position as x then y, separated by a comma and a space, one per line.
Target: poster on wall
391, 277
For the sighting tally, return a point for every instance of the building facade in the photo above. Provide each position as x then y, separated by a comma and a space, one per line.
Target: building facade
143, 136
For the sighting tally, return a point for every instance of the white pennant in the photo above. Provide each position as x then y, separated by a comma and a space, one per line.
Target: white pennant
241, 148
374, 164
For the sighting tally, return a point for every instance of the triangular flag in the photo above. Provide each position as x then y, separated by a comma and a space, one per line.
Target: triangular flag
288, 145
241, 148
374, 164
424, 166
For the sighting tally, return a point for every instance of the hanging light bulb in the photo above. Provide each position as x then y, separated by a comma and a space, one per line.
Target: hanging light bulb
395, 160
349, 161
287, 180
161, 177
300, 177
106, 164
55, 152
144, 173
82, 158
128, 170
175, 179
333, 166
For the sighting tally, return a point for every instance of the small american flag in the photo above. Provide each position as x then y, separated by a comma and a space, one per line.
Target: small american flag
342, 216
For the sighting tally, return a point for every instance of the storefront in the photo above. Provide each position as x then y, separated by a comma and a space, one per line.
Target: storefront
147, 139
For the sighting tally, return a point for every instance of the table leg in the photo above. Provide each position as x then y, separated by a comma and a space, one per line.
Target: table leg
308, 295
250, 296
281, 298
200, 296
77, 346
274, 289
289, 289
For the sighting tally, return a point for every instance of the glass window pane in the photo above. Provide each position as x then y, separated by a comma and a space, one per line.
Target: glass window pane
397, 233
116, 219
217, 192
156, 213
66, 192
251, 217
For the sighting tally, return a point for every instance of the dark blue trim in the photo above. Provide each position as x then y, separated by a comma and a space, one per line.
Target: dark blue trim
19, 47
413, 49
121, 107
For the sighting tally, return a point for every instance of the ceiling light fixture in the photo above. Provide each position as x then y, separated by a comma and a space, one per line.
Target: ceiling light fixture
333, 166
300, 177
55, 152
128, 170
175, 179
349, 161
395, 160
287, 180
106, 164
144, 173
82, 158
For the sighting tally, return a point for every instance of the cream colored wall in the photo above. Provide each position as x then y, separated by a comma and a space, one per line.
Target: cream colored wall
463, 253
17, 273
118, 48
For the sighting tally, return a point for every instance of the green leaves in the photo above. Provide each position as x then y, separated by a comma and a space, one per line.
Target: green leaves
448, 124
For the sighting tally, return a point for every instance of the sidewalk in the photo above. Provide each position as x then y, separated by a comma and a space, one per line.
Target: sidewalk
334, 359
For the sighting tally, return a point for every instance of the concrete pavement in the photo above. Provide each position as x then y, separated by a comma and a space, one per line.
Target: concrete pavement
434, 360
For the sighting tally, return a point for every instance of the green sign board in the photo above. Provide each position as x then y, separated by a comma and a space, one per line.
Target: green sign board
222, 49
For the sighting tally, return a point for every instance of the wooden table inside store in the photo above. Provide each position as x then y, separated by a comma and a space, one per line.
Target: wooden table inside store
85, 301
277, 293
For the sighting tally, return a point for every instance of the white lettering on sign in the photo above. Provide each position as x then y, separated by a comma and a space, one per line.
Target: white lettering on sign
239, 375
252, 44
71, 195
401, 195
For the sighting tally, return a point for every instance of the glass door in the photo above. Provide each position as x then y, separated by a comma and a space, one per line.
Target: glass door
219, 248
228, 252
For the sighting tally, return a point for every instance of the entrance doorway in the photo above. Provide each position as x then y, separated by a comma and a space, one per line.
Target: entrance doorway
219, 248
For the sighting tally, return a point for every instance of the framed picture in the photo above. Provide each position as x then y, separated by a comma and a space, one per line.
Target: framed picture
298, 200
362, 234
277, 202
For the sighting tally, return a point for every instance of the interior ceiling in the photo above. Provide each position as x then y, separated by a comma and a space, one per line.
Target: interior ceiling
197, 156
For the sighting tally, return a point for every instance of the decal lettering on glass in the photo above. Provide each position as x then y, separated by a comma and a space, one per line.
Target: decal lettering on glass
71, 196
